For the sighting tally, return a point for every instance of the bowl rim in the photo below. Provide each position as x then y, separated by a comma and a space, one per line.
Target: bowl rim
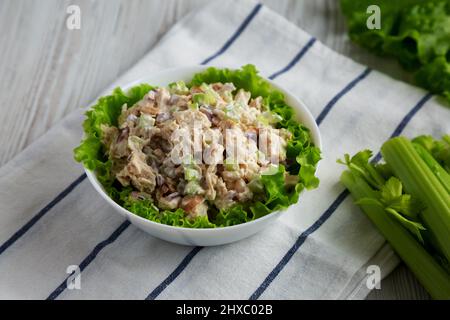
315, 134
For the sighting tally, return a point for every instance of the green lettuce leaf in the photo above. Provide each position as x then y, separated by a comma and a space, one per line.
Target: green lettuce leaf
415, 32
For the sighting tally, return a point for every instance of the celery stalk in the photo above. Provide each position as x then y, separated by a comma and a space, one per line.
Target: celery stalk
432, 276
421, 183
434, 166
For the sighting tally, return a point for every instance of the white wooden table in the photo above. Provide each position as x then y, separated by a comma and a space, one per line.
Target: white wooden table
46, 70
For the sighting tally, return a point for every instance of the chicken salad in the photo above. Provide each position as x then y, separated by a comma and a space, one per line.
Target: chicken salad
221, 150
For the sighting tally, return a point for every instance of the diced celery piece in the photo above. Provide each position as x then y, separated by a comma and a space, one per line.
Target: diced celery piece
269, 117
206, 98
146, 121
178, 87
270, 170
255, 185
193, 105
191, 174
193, 187
230, 165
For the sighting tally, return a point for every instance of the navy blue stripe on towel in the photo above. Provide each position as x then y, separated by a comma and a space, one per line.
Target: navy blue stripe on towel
91, 256
298, 243
294, 61
401, 126
336, 98
27, 226
327, 214
236, 35
156, 292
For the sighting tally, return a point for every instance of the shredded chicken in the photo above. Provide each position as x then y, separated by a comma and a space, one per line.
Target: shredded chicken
149, 136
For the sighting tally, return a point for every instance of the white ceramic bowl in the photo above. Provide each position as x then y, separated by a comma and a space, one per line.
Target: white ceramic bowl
213, 236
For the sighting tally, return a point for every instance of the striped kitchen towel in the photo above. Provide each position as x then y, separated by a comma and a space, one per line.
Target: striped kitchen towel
51, 217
